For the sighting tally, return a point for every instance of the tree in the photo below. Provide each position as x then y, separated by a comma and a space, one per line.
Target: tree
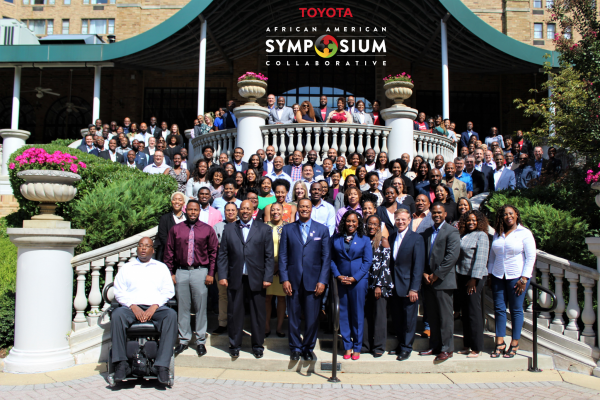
570, 117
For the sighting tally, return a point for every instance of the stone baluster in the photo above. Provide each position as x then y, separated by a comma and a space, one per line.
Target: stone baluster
317, 147
544, 299
368, 133
110, 262
309, 135
335, 133
265, 133
422, 146
95, 296
299, 138
281, 141
80, 302
384, 147
528, 311
361, 136
123, 258
425, 148
351, 147
377, 134
558, 323
343, 148
325, 147
217, 147
235, 135
573, 310
291, 135
588, 316
229, 146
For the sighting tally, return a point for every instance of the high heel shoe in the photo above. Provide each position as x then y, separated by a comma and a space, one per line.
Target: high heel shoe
355, 356
347, 356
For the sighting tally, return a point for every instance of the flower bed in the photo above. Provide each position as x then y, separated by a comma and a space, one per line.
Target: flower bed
38, 158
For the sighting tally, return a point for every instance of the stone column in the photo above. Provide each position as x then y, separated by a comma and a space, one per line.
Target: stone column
594, 246
13, 140
191, 154
400, 118
250, 117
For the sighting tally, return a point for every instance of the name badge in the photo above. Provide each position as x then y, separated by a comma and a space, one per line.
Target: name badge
317, 238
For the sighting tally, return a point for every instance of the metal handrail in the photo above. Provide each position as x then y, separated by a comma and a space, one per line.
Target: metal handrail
335, 308
536, 310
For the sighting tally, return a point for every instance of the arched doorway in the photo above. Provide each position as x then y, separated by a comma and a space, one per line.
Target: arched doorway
65, 119
26, 114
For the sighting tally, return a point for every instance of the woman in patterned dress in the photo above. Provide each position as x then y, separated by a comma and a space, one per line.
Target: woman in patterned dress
276, 289
181, 175
380, 288
281, 187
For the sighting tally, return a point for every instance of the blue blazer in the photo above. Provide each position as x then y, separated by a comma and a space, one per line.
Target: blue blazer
288, 170
357, 262
416, 125
464, 138
507, 181
407, 269
308, 262
83, 148
523, 176
142, 158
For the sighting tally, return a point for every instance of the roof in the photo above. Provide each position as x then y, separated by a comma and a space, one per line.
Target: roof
413, 34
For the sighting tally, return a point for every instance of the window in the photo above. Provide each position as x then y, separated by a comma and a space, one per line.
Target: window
40, 26
67, 2
549, 3
567, 34
25, 2
537, 3
8, 1
98, 26
65, 26
538, 30
41, 2
550, 31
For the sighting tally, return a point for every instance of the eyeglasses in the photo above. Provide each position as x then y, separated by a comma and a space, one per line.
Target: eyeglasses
305, 106
144, 246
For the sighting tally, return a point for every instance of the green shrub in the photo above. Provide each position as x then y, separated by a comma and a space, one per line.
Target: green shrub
130, 188
8, 261
63, 142
7, 319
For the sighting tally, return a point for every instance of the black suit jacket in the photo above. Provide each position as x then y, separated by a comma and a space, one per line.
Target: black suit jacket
383, 216
444, 255
488, 174
407, 268
318, 114
410, 189
544, 165
228, 120
479, 182
256, 253
106, 155
165, 224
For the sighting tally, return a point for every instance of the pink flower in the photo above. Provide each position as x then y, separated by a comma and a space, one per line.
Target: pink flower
12, 166
73, 168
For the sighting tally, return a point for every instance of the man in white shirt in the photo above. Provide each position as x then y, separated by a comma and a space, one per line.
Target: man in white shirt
322, 211
478, 153
143, 135
268, 162
158, 166
163, 131
130, 161
489, 159
278, 173
370, 160
111, 154
281, 114
151, 147
142, 288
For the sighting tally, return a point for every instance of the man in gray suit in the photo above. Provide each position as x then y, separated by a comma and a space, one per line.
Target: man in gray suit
442, 246
281, 114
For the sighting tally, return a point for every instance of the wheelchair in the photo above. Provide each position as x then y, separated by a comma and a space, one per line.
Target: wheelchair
142, 345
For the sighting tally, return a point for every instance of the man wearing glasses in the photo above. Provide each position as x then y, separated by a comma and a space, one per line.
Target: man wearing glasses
524, 172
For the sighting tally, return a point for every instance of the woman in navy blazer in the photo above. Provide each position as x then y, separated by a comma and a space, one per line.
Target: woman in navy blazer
351, 259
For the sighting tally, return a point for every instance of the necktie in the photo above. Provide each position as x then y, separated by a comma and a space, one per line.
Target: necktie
190, 257
304, 233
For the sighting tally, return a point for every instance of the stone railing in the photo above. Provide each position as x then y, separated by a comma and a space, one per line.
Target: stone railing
223, 141
429, 145
92, 265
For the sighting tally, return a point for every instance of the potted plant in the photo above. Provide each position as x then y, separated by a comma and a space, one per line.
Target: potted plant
398, 88
252, 86
49, 179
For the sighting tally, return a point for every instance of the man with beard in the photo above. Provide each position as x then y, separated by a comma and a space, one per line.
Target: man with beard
312, 161
191, 255
435, 179
370, 160
350, 107
281, 114
332, 154
153, 127
268, 162
321, 114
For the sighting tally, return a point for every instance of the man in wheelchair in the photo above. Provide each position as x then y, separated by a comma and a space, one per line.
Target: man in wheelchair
142, 287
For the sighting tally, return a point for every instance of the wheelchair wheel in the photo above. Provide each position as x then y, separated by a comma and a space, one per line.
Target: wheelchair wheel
111, 373
172, 371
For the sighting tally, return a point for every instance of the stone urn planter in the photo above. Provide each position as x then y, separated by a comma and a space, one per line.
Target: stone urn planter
398, 91
596, 186
252, 89
48, 187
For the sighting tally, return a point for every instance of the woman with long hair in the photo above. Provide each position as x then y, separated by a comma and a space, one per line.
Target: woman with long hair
340, 115
198, 180
351, 181
442, 195
306, 113
462, 206
510, 265
299, 191
175, 132
375, 114
422, 178
254, 162
207, 125
412, 174
276, 223
404, 198
180, 174
380, 288
295, 109
352, 197
372, 180
471, 273
172, 147
216, 177
351, 260
265, 196
281, 187
382, 167
361, 173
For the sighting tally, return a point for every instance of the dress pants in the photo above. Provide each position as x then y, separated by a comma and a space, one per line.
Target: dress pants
375, 325
165, 321
303, 302
441, 318
470, 306
404, 315
222, 302
352, 313
235, 315
192, 297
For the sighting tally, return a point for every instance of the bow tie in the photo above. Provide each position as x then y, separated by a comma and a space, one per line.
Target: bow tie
243, 225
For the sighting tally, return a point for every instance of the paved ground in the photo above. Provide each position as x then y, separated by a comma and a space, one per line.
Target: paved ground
95, 387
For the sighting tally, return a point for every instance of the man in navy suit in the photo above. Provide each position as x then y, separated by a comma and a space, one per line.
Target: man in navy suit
87, 146
407, 266
229, 119
466, 135
304, 264
502, 178
322, 112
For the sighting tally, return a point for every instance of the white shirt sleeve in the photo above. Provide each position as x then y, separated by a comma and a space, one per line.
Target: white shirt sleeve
529, 251
120, 288
492, 257
167, 290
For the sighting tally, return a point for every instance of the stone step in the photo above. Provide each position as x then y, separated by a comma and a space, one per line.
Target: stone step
278, 360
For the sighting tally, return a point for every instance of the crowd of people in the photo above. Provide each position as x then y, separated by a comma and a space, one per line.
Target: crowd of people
392, 233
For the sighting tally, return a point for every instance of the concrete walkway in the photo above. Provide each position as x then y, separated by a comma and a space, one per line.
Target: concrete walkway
88, 382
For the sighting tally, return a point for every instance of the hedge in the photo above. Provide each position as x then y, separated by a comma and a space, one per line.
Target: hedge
113, 202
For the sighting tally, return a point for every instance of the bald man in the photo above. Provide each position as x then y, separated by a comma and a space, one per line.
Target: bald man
246, 264
281, 114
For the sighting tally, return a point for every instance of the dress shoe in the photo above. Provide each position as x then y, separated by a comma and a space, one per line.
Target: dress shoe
307, 356
394, 352
162, 373
180, 348
429, 352
443, 356
280, 334
347, 356
220, 330
200, 350
355, 356
258, 353
427, 333
377, 355
121, 370
364, 350
234, 353
403, 356
295, 356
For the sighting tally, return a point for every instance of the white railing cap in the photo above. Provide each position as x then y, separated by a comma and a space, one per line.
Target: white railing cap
324, 125
112, 249
567, 265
